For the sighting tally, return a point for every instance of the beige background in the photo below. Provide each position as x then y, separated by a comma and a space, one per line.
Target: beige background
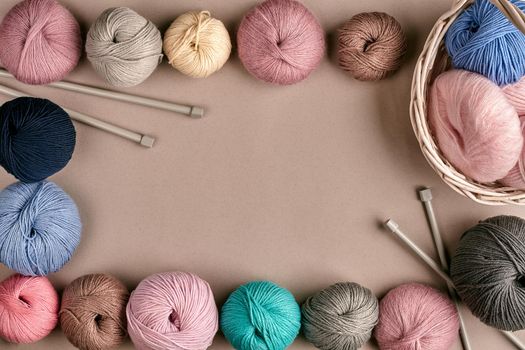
281, 183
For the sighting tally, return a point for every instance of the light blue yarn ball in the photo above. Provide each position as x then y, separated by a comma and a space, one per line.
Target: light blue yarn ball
39, 228
484, 41
261, 316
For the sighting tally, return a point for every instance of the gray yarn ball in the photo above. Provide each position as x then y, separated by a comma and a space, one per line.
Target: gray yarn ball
340, 317
123, 47
488, 270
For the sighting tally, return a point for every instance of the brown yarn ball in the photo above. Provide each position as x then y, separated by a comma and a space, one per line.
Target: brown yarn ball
93, 312
371, 46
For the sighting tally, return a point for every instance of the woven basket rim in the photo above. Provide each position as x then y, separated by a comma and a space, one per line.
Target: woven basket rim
489, 194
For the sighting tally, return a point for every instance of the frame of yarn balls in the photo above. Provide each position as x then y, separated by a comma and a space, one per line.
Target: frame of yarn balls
432, 61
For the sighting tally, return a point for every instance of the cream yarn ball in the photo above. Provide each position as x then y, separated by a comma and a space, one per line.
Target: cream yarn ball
197, 44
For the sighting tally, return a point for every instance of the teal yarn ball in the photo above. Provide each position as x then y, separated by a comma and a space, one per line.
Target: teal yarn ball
261, 316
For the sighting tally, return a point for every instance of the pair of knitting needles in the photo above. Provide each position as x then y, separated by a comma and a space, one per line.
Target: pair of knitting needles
425, 195
143, 140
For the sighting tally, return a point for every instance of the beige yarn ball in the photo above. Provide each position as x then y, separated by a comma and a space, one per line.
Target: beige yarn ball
197, 44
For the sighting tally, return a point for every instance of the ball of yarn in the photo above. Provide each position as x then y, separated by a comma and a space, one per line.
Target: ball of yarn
197, 44
260, 315
475, 126
484, 41
123, 47
280, 41
93, 312
37, 138
515, 93
340, 317
28, 308
488, 269
371, 46
39, 228
41, 41
172, 310
414, 316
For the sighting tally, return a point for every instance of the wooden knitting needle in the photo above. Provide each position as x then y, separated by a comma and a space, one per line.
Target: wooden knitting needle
425, 195
394, 228
143, 140
191, 111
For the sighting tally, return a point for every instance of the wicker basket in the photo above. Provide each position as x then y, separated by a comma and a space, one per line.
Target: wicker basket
433, 61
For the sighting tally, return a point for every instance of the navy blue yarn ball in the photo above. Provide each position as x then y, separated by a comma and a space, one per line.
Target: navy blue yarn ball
484, 41
37, 138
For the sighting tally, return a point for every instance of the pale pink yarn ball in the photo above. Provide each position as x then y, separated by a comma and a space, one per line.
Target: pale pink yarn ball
40, 41
414, 316
280, 41
28, 308
172, 311
476, 128
515, 93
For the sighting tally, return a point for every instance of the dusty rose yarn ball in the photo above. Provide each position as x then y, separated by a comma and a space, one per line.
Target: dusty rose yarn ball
280, 41
28, 308
40, 41
476, 128
370, 46
414, 316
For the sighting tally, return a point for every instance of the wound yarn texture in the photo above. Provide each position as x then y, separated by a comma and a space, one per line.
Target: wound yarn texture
488, 269
37, 138
197, 44
93, 312
123, 47
39, 228
371, 46
484, 41
172, 311
280, 41
260, 315
28, 308
340, 317
40, 40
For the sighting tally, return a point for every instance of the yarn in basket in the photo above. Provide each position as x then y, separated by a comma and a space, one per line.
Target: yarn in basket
415, 316
197, 44
484, 41
280, 41
123, 47
37, 138
260, 315
475, 126
28, 308
93, 312
370, 46
340, 317
172, 311
39, 228
40, 40
488, 270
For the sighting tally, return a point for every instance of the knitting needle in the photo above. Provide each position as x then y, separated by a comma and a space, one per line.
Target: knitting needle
425, 195
143, 140
191, 111
394, 228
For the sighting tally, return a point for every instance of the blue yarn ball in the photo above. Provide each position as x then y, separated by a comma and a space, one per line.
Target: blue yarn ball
260, 315
484, 41
39, 228
37, 138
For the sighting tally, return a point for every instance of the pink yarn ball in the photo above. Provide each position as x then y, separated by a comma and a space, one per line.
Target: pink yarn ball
515, 93
414, 316
280, 41
476, 127
28, 308
172, 311
40, 41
